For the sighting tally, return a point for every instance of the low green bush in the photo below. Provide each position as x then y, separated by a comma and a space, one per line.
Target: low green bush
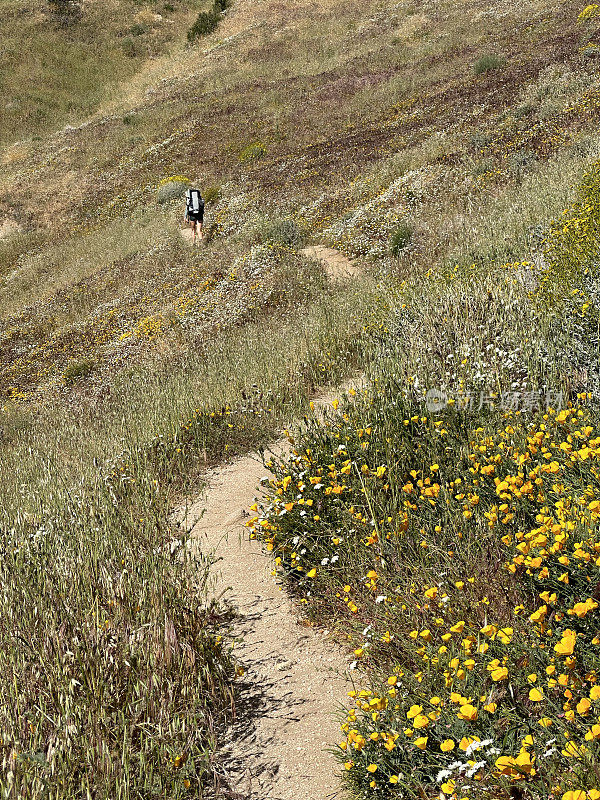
252, 152
171, 189
400, 238
524, 110
487, 63
591, 50
521, 160
65, 12
129, 47
206, 22
77, 370
211, 194
480, 139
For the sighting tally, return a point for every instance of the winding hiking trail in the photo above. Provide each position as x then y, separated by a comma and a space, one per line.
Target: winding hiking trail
295, 678
337, 265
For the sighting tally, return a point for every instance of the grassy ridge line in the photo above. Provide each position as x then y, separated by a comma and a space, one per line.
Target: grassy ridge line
460, 547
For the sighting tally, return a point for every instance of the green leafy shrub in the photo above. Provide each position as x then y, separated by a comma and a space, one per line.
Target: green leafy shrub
252, 152
206, 22
482, 166
487, 63
65, 12
171, 188
480, 139
524, 110
400, 238
521, 160
591, 50
77, 370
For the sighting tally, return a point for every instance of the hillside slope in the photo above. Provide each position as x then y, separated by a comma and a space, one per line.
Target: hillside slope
450, 148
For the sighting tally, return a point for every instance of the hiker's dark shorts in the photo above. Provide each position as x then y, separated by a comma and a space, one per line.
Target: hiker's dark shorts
196, 217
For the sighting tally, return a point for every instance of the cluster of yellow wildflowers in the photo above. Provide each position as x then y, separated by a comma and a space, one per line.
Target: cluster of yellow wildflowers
571, 242
491, 669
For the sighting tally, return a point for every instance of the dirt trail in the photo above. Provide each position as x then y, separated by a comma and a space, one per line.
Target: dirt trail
336, 264
295, 678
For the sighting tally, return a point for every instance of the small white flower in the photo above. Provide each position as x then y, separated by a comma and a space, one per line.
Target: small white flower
475, 768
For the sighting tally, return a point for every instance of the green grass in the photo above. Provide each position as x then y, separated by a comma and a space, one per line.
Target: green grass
104, 616
487, 63
400, 238
77, 370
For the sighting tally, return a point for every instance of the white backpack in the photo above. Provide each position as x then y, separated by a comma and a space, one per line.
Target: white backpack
194, 201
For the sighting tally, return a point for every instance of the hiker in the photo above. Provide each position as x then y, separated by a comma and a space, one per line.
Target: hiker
194, 213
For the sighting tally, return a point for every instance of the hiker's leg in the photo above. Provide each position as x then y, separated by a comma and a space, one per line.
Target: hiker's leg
201, 235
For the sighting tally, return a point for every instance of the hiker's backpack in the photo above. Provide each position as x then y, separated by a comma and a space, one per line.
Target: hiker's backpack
194, 201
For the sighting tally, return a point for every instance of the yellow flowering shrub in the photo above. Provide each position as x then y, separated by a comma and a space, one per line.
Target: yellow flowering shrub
572, 241
466, 560
589, 12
